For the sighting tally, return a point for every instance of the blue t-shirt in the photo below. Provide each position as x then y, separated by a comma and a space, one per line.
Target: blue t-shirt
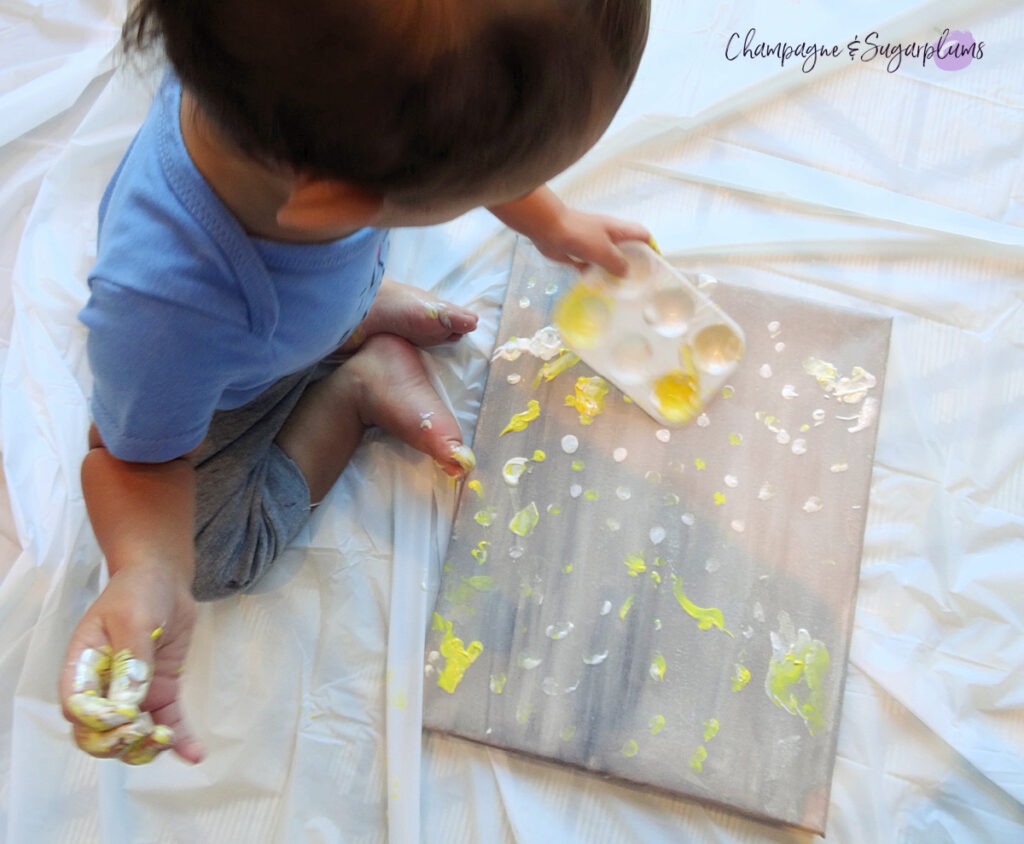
188, 314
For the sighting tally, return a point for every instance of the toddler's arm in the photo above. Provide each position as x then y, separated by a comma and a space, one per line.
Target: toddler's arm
143, 517
567, 235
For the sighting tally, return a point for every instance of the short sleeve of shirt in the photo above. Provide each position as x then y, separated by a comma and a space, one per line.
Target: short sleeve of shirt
159, 371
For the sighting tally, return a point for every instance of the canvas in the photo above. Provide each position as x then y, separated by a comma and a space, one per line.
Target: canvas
671, 607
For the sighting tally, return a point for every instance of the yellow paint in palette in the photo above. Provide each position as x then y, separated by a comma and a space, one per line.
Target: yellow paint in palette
582, 316
458, 656
676, 395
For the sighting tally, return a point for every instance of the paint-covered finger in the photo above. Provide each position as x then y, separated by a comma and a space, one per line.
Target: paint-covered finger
99, 713
91, 670
146, 750
109, 743
129, 679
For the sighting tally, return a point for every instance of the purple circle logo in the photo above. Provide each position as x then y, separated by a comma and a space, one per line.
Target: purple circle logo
954, 50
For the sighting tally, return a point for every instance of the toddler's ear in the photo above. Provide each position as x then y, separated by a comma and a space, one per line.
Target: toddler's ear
316, 204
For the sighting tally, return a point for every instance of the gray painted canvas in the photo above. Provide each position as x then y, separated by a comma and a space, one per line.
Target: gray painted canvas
671, 607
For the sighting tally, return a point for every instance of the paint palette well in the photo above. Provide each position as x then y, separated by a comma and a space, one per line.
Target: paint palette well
670, 607
652, 333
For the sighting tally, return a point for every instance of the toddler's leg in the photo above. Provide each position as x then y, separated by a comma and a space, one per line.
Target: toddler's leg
383, 384
414, 314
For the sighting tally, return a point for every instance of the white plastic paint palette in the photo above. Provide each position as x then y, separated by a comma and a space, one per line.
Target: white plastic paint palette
651, 333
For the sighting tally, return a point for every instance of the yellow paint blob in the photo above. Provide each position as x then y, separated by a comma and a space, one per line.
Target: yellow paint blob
719, 499
700, 465
630, 749
554, 368
796, 677
480, 552
485, 517
582, 316
740, 677
539, 456
157, 633
698, 759
636, 565
498, 682
588, 397
519, 421
458, 656
658, 666
477, 487
735, 439
706, 617
657, 724
525, 520
624, 609
711, 727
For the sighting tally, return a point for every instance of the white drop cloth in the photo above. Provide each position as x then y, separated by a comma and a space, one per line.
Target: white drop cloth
897, 193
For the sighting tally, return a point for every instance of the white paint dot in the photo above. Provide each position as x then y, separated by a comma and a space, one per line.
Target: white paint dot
780, 347
789, 392
688, 519
657, 534
767, 491
731, 480
813, 504
765, 371
623, 493
619, 455
575, 491
663, 435
606, 608
703, 421
782, 437
514, 378
738, 525
774, 327
570, 444
799, 446
836, 468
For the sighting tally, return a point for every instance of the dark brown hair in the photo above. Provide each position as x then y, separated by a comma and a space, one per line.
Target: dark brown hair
403, 97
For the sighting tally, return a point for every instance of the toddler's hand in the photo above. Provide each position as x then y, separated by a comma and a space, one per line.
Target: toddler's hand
580, 238
120, 682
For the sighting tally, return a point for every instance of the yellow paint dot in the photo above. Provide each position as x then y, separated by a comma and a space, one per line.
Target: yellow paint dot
624, 609
157, 633
636, 565
735, 439
700, 464
458, 656
711, 727
630, 749
657, 669
700, 755
477, 487
719, 498
657, 724
728, 392
539, 456
740, 677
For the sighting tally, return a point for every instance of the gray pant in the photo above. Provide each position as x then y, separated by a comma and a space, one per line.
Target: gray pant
251, 499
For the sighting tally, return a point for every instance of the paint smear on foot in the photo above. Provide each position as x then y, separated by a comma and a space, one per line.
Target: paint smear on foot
458, 656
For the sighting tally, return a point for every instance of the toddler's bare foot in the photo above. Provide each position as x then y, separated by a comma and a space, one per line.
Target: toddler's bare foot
414, 314
391, 389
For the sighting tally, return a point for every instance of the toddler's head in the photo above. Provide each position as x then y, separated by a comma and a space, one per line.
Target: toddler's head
416, 100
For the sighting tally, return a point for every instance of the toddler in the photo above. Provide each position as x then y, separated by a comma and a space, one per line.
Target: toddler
242, 247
